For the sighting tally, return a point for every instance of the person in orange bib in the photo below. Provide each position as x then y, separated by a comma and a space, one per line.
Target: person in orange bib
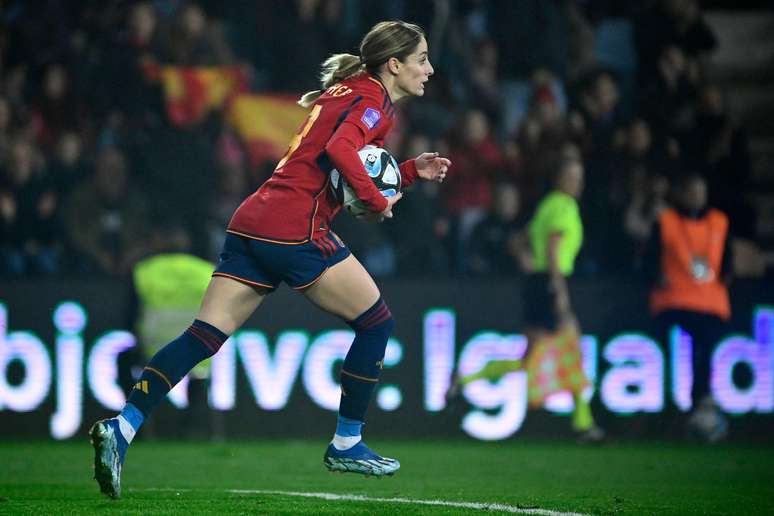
689, 265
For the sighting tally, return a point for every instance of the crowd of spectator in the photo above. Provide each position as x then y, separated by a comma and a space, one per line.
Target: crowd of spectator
92, 173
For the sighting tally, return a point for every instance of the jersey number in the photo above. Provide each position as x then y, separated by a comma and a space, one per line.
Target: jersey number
296, 141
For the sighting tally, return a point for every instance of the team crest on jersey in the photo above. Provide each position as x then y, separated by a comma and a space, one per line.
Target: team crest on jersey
371, 117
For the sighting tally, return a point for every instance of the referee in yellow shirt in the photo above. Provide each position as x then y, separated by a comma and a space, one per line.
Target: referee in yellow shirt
555, 238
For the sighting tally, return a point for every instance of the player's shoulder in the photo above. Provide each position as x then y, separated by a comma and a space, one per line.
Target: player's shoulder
717, 214
556, 199
558, 205
364, 84
371, 89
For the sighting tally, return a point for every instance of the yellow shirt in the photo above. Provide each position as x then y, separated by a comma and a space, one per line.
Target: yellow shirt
556, 213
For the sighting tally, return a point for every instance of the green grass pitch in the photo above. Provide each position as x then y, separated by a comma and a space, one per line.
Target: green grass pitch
170, 477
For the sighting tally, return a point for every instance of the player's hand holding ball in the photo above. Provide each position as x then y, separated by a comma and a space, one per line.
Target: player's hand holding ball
386, 214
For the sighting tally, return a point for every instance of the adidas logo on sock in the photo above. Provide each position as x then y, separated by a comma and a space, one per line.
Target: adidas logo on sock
142, 385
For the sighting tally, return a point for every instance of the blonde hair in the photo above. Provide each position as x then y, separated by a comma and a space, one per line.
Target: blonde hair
384, 41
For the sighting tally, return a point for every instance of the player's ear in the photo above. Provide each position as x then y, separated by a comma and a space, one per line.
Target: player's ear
393, 65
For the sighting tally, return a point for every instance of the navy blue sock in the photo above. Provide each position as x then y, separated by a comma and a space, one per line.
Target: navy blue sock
363, 364
173, 362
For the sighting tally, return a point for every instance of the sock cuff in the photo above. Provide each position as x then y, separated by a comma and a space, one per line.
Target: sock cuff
222, 337
133, 415
126, 429
347, 427
377, 314
208, 335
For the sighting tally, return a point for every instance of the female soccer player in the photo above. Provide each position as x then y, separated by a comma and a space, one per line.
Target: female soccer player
282, 233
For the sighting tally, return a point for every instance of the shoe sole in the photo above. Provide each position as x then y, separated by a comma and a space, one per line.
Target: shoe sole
104, 467
360, 467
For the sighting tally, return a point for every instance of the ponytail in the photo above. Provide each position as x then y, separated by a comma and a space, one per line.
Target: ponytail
334, 69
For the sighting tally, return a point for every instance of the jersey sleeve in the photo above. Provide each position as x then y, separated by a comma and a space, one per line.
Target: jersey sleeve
408, 172
364, 123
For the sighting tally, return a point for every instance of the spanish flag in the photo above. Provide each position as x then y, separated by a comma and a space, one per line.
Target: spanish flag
266, 124
192, 93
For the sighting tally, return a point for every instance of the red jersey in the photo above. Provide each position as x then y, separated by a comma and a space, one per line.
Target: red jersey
296, 204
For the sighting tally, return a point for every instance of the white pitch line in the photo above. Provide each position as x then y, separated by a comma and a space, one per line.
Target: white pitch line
443, 503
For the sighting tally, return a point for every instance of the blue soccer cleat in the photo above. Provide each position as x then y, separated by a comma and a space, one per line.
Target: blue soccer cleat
109, 452
359, 459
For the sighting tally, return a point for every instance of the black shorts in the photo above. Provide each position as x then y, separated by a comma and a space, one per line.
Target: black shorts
539, 302
267, 264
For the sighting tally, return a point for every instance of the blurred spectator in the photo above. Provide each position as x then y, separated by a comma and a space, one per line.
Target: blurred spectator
720, 151
636, 157
598, 105
638, 165
31, 232
168, 287
66, 168
667, 99
312, 24
467, 193
134, 53
648, 200
540, 26
178, 176
195, 40
689, 266
544, 29
675, 23
57, 108
419, 230
544, 130
580, 40
5, 124
484, 86
496, 241
749, 259
230, 190
107, 218
14, 85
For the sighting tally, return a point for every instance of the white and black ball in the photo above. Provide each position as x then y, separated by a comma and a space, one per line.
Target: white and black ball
383, 170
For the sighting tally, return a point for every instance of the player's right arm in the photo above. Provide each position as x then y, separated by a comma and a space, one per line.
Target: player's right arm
364, 124
371, 216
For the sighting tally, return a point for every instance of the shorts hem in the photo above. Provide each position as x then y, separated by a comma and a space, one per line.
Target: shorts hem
269, 240
244, 280
307, 285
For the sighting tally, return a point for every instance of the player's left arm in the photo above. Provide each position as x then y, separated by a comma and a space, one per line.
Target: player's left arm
428, 165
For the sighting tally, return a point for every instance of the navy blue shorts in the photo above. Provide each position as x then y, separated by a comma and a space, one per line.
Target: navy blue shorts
266, 264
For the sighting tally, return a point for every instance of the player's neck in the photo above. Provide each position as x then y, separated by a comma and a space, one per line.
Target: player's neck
391, 85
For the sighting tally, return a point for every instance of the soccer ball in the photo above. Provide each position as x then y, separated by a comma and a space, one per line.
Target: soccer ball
381, 168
